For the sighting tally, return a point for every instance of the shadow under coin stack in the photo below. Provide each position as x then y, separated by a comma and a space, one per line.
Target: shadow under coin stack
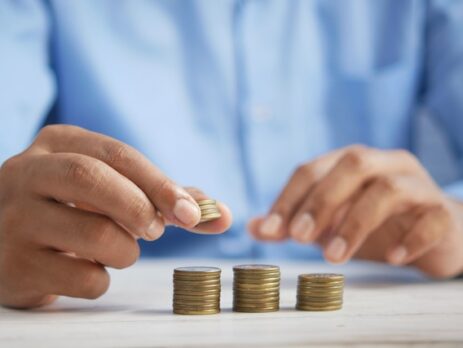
256, 288
320, 292
196, 290
209, 210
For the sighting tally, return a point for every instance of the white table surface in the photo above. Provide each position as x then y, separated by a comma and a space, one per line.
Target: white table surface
383, 306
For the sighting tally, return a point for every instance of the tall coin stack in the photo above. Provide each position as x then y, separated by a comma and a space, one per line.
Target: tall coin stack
196, 290
256, 288
209, 210
320, 292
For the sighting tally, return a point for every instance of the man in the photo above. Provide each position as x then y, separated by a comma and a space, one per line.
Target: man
230, 97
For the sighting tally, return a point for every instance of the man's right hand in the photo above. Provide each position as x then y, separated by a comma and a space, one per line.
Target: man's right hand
76, 201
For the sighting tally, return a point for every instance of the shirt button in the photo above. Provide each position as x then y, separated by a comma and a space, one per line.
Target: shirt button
260, 113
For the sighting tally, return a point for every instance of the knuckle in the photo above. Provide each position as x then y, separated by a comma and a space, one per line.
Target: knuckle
116, 154
303, 171
103, 233
423, 238
94, 283
53, 131
10, 171
140, 209
406, 155
283, 208
161, 189
355, 157
194, 191
386, 184
354, 225
321, 202
49, 131
82, 172
11, 166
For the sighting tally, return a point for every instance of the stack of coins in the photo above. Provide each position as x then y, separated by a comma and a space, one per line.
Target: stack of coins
256, 288
209, 210
320, 292
196, 290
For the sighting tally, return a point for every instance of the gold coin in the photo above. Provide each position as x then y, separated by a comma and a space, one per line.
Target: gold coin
208, 206
200, 282
253, 278
181, 292
197, 270
206, 201
318, 302
196, 306
183, 299
210, 217
205, 212
321, 277
257, 291
197, 289
274, 284
253, 296
257, 300
196, 312
322, 284
320, 291
262, 292
316, 287
317, 309
256, 268
256, 310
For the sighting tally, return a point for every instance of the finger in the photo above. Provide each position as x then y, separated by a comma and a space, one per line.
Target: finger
425, 234
383, 198
254, 228
84, 180
215, 226
88, 235
355, 168
175, 204
61, 274
274, 226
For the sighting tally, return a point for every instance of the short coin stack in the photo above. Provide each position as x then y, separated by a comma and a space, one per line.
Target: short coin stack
209, 210
320, 292
256, 288
196, 290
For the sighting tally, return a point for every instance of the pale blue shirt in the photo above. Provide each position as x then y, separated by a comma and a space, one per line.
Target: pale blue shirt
230, 96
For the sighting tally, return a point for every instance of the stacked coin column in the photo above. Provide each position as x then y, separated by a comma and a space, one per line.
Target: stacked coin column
196, 290
320, 292
209, 210
256, 288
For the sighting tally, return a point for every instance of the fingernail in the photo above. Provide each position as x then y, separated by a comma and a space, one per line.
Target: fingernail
302, 227
398, 255
336, 249
152, 231
271, 225
187, 212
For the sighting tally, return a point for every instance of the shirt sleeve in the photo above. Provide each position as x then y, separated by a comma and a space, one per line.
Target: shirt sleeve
27, 86
444, 76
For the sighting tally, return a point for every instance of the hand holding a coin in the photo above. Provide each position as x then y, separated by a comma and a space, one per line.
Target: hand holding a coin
75, 202
369, 203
